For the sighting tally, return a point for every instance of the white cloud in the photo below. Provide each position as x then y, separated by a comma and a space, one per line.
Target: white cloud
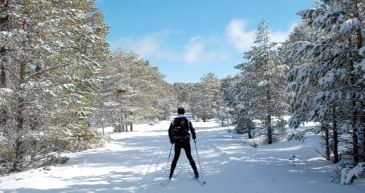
242, 38
194, 50
147, 46
238, 35
150, 45
280, 36
197, 50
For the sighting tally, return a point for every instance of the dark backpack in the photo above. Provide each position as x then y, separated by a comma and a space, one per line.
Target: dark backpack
180, 128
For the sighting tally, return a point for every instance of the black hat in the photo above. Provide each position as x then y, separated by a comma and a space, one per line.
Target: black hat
180, 110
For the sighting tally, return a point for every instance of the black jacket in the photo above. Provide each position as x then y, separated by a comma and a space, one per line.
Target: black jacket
190, 126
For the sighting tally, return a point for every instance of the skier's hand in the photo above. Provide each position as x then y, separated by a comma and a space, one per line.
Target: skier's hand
172, 142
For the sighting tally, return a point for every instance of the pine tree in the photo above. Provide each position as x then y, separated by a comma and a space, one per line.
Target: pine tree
266, 75
206, 97
132, 90
290, 51
183, 94
330, 77
53, 57
227, 99
237, 98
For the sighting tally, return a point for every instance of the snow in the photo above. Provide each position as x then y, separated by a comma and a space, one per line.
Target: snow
349, 25
332, 75
362, 51
347, 174
136, 162
362, 64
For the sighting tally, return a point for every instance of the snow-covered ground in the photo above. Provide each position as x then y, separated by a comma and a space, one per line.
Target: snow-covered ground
136, 162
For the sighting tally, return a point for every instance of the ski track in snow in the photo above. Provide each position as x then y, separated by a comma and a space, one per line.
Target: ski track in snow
136, 162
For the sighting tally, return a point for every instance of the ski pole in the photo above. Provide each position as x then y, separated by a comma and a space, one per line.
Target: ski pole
200, 166
167, 163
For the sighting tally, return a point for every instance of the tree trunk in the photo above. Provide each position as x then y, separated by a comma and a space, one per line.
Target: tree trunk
120, 129
17, 166
120, 115
269, 130
359, 38
355, 140
268, 118
363, 140
249, 129
4, 84
19, 152
4, 77
102, 126
4, 69
249, 133
18, 141
335, 138
362, 123
131, 126
326, 142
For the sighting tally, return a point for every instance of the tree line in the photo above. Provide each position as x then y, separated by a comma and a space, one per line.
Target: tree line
317, 75
327, 81
58, 79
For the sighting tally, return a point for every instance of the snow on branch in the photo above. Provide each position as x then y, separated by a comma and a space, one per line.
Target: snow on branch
361, 65
349, 174
349, 25
332, 76
362, 51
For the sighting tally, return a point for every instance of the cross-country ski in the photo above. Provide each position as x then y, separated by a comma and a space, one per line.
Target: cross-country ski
200, 181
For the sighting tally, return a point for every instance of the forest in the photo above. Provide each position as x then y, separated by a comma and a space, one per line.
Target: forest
59, 81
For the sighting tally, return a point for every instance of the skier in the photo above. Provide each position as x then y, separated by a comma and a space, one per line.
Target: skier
180, 136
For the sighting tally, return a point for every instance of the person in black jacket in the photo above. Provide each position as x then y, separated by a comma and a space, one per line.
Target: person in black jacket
180, 136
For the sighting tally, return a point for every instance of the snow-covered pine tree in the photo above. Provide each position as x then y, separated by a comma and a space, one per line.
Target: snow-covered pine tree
330, 78
83, 45
183, 93
266, 75
197, 106
26, 50
51, 48
132, 91
206, 97
238, 98
289, 48
227, 112
290, 52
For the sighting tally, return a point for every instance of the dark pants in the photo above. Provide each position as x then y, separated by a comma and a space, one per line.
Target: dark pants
184, 144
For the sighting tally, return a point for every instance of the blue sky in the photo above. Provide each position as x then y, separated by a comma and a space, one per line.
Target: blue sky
186, 39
